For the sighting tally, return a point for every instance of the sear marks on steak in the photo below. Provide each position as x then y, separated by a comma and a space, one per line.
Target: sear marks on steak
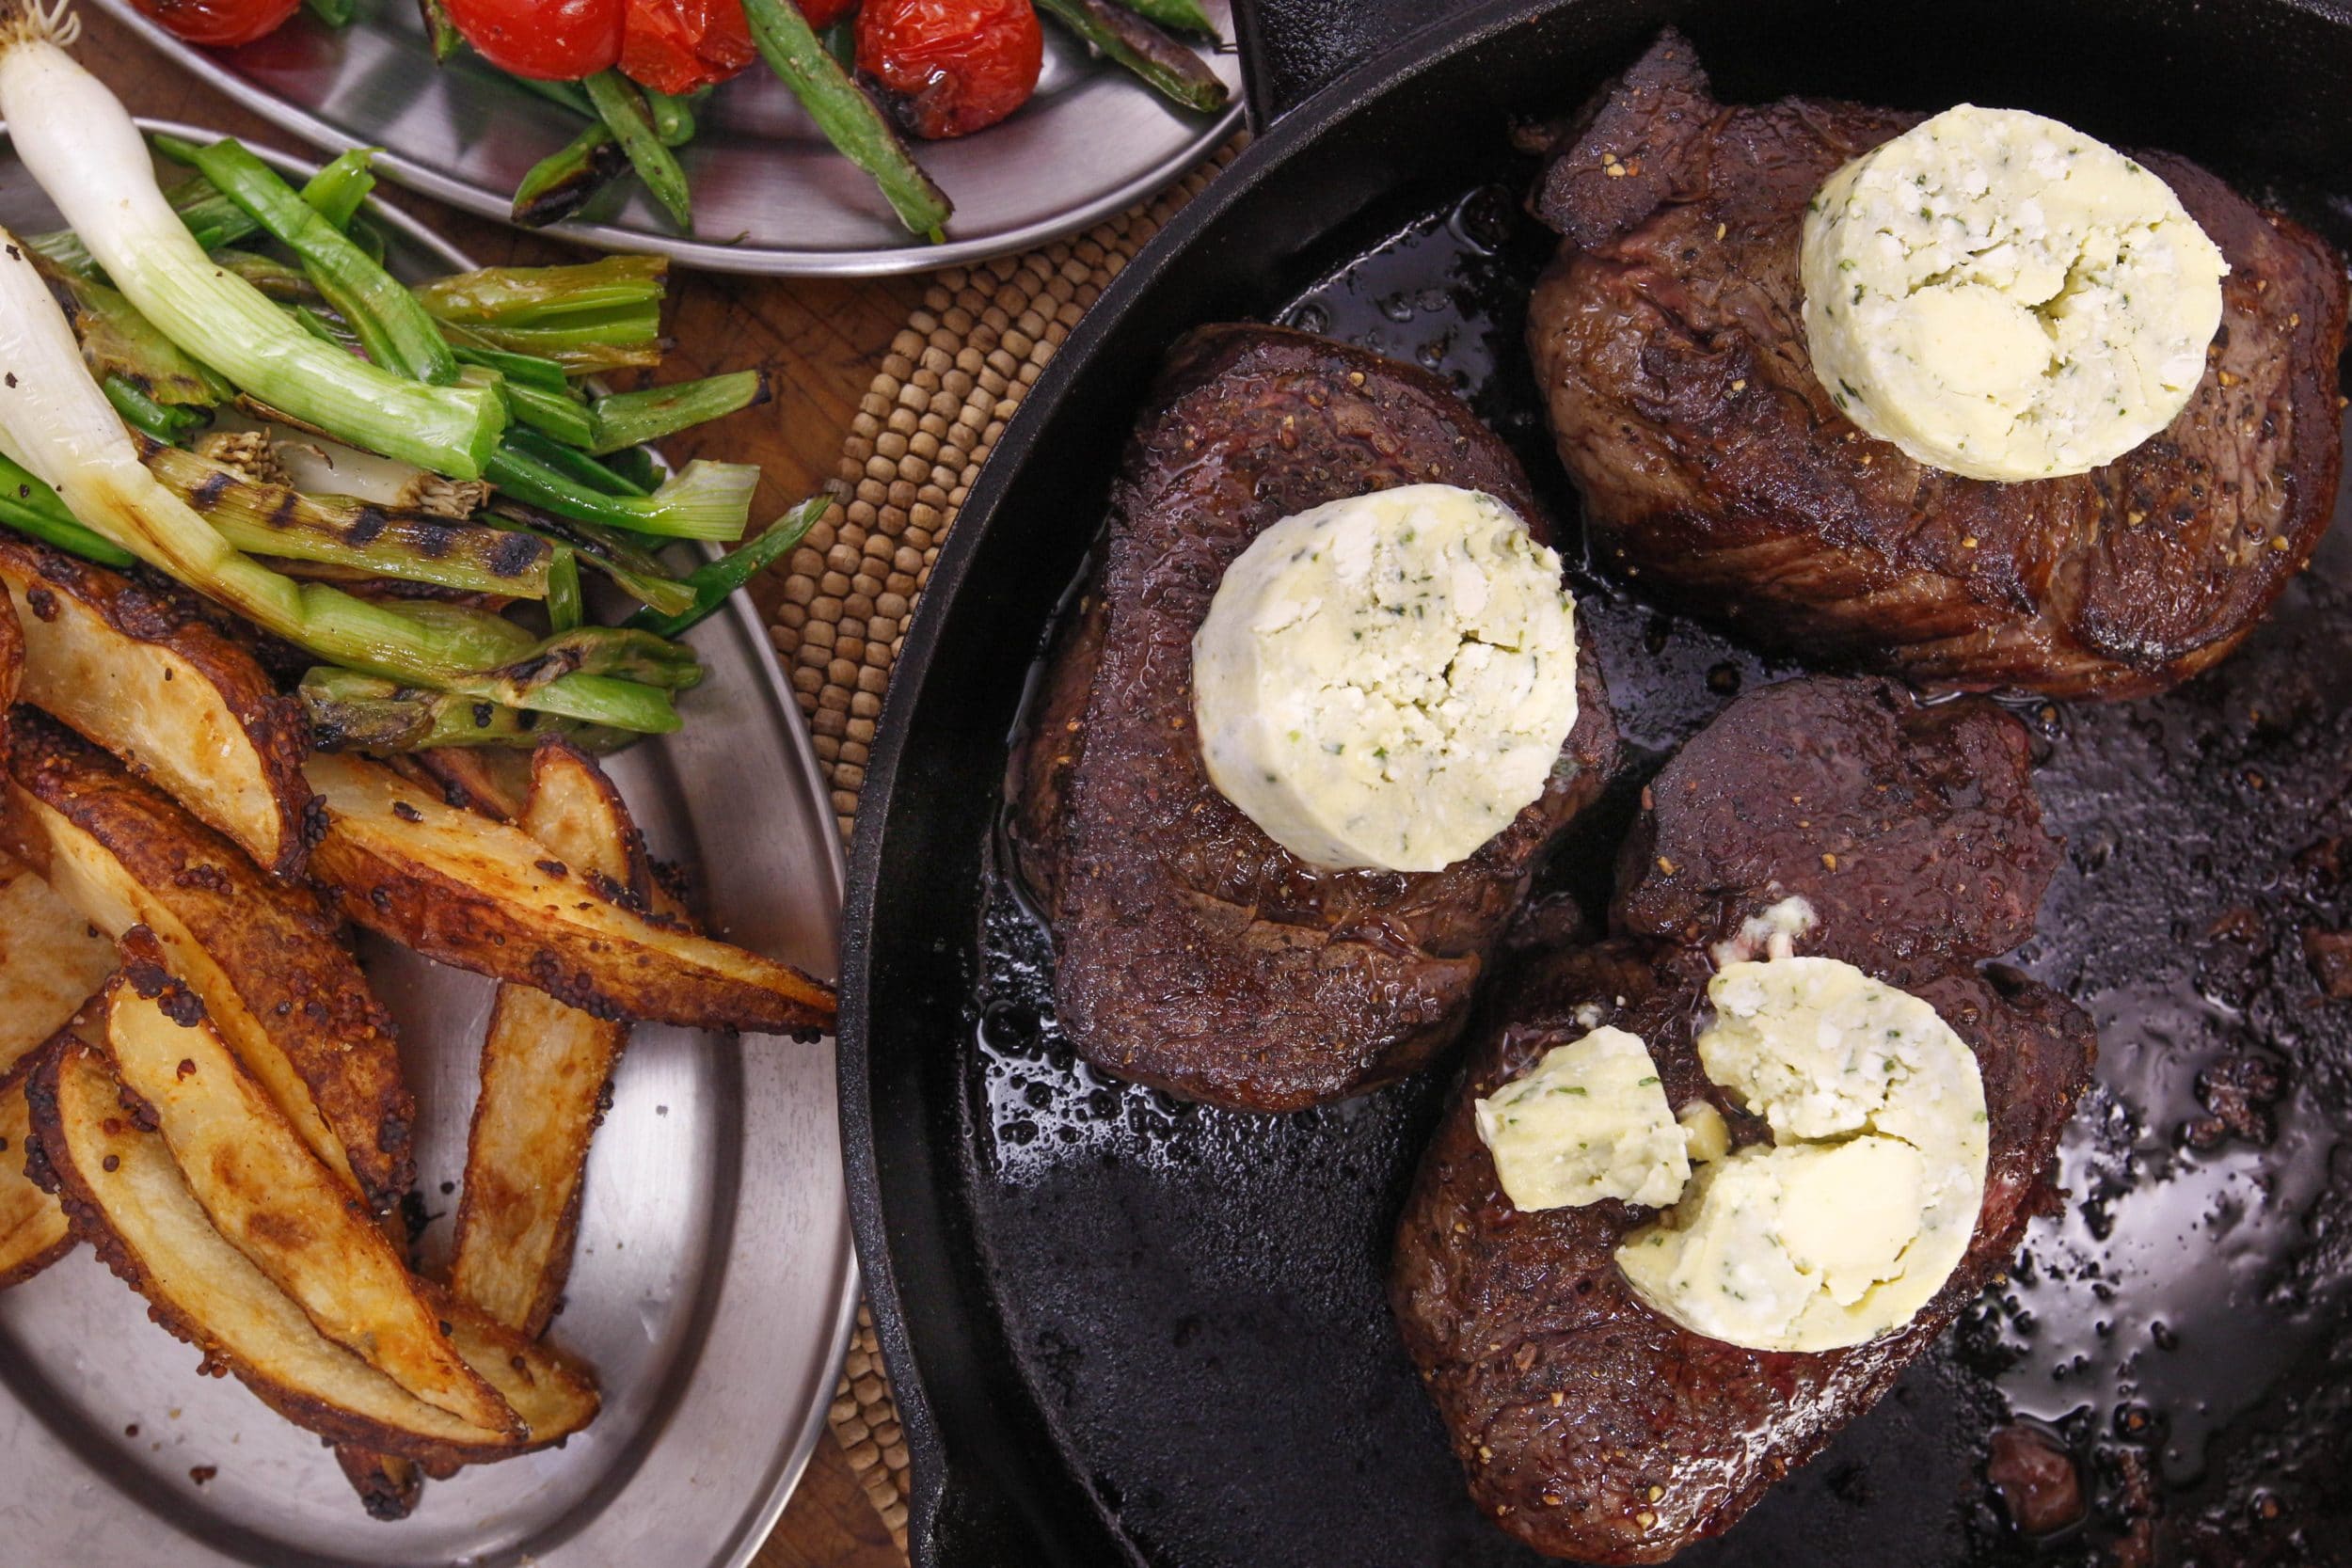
1589, 1426
1192, 952
1912, 831
1669, 341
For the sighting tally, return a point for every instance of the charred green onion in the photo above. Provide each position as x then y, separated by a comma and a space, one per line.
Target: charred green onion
714, 583
262, 518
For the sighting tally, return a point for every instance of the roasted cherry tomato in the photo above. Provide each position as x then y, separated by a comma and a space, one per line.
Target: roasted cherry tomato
952, 66
220, 23
824, 13
555, 41
675, 46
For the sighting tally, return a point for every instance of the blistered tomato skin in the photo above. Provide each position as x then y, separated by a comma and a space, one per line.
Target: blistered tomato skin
677, 46
552, 40
952, 66
220, 24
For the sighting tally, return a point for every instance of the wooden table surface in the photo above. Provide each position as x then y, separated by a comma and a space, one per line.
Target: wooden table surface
821, 339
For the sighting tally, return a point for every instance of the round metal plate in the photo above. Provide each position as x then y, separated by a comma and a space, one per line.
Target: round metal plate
771, 193
715, 1282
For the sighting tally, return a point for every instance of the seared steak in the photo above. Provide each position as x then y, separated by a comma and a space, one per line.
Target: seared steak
1590, 1426
1669, 341
1913, 831
1192, 952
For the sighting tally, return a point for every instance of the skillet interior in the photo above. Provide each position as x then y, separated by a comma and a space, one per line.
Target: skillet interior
1145, 1330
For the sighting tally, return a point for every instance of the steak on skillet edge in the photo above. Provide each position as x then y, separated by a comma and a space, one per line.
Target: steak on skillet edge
1191, 951
1590, 1426
1669, 341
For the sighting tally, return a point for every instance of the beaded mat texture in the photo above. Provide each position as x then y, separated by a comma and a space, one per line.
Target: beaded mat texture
838, 607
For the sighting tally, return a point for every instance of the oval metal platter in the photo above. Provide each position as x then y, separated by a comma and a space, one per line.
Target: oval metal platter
771, 193
714, 1285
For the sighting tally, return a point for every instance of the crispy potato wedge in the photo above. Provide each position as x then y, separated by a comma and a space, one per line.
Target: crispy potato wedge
143, 675
52, 961
545, 1073
122, 1192
33, 1232
261, 955
269, 1195
485, 896
545, 1067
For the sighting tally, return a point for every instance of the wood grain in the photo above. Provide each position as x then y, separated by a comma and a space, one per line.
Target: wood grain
821, 339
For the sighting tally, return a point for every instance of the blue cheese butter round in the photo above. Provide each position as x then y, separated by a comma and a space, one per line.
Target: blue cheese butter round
2004, 297
1386, 681
1852, 1219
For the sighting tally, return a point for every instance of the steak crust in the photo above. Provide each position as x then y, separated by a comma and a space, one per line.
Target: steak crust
1192, 952
1669, 341
1590, 1426
1913, 831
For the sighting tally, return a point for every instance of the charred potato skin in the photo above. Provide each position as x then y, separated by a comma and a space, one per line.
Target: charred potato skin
51, 1165
272, 940
426, 907
46, 585
388, 1485
270, 1197
41, 1234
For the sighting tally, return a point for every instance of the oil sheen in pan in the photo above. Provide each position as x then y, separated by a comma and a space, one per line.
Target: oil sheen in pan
1196, 1297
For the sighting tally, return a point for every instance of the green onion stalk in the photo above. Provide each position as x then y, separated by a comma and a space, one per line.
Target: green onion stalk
633, 419
56, 423
349, 711
33, 509
262, 518
79, 145
117, 341
715, 583
702, 500
341, 185
394, 329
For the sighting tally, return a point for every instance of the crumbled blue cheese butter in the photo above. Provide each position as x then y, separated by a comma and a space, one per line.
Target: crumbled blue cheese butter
1589, 1121
1853, 1218
2002, 297
1388, 680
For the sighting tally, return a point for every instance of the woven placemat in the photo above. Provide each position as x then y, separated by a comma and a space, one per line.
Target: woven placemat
838, 607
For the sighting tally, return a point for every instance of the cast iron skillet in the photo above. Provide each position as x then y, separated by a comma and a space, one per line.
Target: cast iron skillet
1123, 1329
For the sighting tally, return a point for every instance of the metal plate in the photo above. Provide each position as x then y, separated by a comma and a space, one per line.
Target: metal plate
715, 1282
771, 193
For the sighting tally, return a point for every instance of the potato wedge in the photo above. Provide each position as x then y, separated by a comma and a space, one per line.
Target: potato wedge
545, 1067
52, 961
122, 1192
271, 1198
388, 1484
485, 896
545, 1071
263, 955
143, 675
33, 1232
